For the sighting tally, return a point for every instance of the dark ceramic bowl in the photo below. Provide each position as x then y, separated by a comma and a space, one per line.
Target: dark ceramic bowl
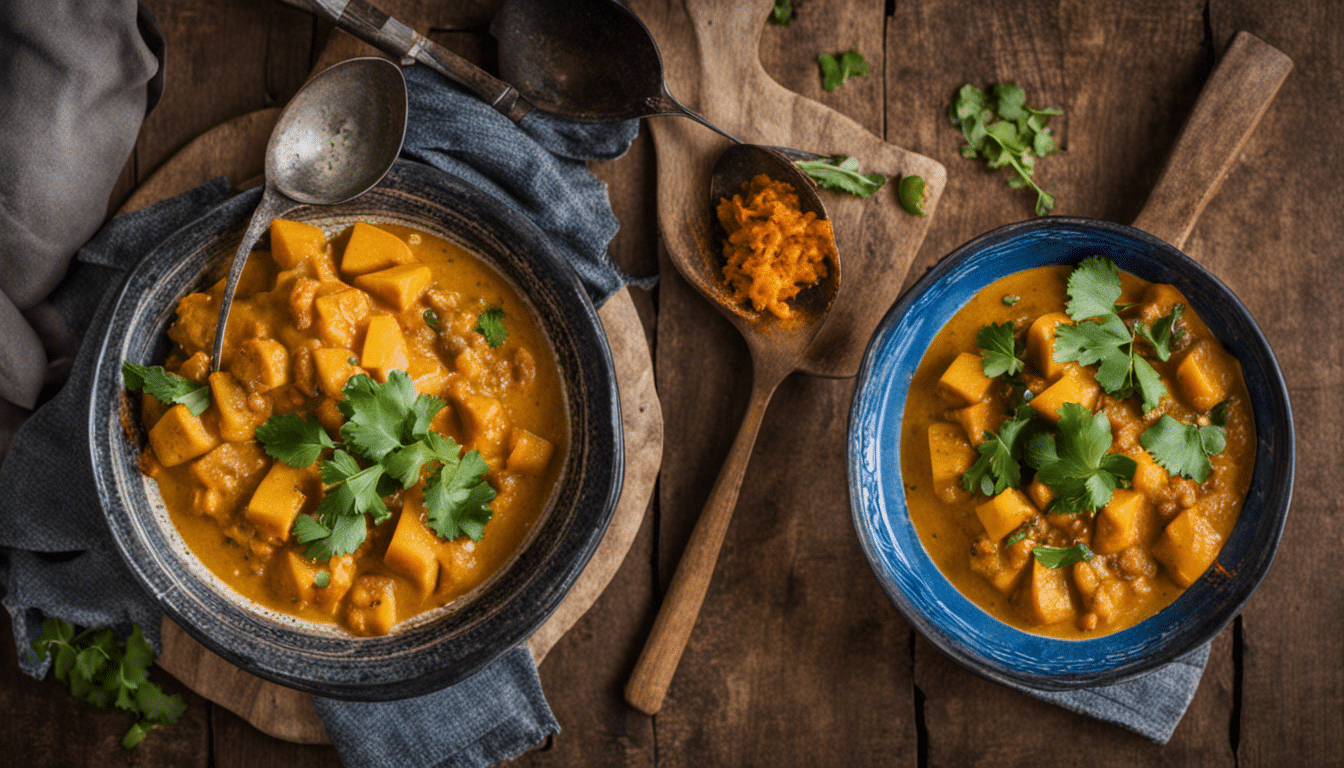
437, 648
928, 600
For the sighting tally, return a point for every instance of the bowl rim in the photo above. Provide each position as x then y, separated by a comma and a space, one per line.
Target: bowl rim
391, 669
1170, 646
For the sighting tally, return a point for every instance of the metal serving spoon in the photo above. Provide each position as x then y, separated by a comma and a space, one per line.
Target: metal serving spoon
776, 350
335, 139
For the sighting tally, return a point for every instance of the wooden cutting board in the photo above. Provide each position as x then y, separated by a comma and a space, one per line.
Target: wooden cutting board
235, 150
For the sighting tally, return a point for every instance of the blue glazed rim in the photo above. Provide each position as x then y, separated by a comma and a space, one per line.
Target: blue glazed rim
421, 656
909, 576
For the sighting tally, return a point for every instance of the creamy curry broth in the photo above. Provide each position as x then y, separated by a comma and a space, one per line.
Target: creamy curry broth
998, 578
505, 402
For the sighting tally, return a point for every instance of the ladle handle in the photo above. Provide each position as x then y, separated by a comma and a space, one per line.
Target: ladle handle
1229, 107
672, 627
272, 205
394, 38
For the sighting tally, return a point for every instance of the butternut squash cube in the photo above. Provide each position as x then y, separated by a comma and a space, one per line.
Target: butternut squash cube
484, 420
529, 454
1188, 546
399, 286
414, 548
459, 570
341, 315
1004, 513
429, 376
231, 468
384, 347
950, 455
262, 363
294, 243
1158, 301
468, 364
334, 369
372, 607
295, 577
1077, 385
1150, 478
1203, 377
965, 381
371, 249
279, 499
196, 367
1047, 594
1041, 344
1040, 494
978, 419
179, 436
1122, 522
237, 421
151, 410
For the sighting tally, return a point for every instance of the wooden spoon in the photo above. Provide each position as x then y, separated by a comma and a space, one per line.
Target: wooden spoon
777, 348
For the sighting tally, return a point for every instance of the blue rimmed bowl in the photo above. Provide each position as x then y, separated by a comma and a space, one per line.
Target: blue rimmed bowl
909, 576
443, 646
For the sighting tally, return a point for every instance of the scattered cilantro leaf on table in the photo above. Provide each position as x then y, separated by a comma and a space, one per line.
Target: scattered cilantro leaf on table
294, 439
1074, 462
999, 350
165, 386
998, 468
836, 72
842, 174
782, 13
1016, 138
99, 669
1184, 449
1058, 557
491, 326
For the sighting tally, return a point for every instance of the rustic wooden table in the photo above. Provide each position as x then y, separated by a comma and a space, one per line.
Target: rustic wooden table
798, 658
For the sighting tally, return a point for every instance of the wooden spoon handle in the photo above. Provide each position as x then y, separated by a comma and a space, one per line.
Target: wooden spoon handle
1229, 107
657, 663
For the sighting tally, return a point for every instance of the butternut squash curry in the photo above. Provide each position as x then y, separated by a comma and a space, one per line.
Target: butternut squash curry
1076, 448
386, 427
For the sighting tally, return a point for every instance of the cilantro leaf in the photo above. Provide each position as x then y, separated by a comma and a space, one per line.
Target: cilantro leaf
1162, 333
1058, 557
999, 350
1013, 140
347, 533
782, 13
1011, 300
354, 491
1075, 464
1094, 287
431, 319
376, 414
491, 326
997, 468
457, 498
1014, 537
842, 174
836, 72
167, 387
322, 580
294, 439
1184, 449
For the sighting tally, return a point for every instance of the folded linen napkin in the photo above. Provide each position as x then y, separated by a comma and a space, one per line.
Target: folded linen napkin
56, 554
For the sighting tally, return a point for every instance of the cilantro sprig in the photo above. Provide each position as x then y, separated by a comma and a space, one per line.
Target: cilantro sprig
1075, 462
166, 386
998, 466
843, 174
1184, 449
104, 672
1015, 138
386, 442
835, 72
1058, 557
491, 325
1000, 351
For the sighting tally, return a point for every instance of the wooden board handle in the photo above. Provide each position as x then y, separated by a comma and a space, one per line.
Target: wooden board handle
1229, 107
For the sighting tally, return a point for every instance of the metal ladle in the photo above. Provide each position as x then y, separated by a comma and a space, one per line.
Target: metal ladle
335, 139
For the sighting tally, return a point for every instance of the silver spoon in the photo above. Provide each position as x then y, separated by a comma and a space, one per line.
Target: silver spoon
335, 139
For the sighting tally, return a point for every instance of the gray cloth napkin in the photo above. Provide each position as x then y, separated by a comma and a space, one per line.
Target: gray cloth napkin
56, 555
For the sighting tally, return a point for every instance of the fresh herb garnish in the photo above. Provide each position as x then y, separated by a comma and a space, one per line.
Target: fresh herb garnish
104, 672
1075, 462
911, 194
1014, 537
1000, 351
842, 174
1011, 300
431, 319
997, 468
322, 580
782, 13
835, 72
1163, 333
1184, 449
169, 388
1015, 138
1058, 557
491, 326
294, 439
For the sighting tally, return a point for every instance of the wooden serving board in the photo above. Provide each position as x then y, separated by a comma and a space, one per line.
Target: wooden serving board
236, 150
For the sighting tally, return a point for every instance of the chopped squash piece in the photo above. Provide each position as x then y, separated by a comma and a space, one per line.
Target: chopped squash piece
1188, 546
486, 424
414, 548
1158, 301
1203, 377
371, 249
334, 369
231, 468
294, 243
151, 409
1122, 522
399, 286
384, 347
1003, 567
261, 363
951, 455
196, 367
1077, 385
372, 608
179, 436
237, 421
468, 364
1040, 494
978, 419
528, 454
341, 315
459, 567
1005, 512
279, 498
1047, 594
296, 576
1041, 344
1150, 478
430, 378
964, 380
